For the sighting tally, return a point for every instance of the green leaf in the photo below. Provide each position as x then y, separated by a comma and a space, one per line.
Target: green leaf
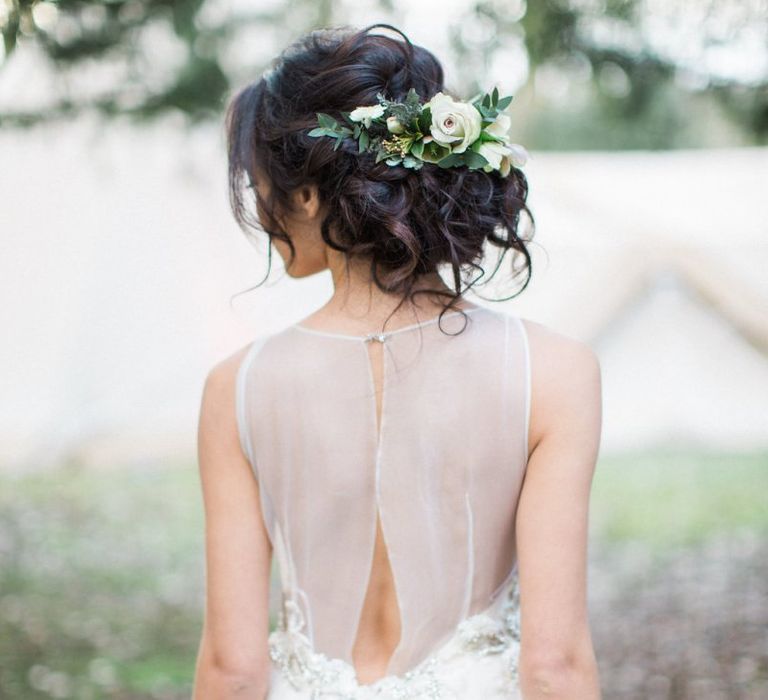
364, 141
411, 162
474, 160
425, 120
326, 120
452, 160
417, 149
412, 98
433, 152
495, 96
381, 155
504, 103
485, 136
318, 131
487, 112
486, 100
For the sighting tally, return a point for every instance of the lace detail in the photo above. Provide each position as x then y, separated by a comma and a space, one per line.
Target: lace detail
495, 631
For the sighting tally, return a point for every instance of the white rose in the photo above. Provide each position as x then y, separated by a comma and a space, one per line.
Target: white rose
454, 124
366, 114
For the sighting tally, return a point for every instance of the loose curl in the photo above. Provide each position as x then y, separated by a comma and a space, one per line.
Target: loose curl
404, 222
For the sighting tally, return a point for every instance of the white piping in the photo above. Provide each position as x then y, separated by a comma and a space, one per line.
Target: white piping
328, 334
527, 350
240, 403
470, 558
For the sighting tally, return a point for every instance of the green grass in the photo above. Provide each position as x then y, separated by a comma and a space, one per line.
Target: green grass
668, 499
101, 584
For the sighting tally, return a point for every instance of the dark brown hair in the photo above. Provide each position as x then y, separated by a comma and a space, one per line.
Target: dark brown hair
405, 222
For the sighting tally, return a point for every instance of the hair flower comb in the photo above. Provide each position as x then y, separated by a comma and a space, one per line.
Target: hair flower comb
444, 131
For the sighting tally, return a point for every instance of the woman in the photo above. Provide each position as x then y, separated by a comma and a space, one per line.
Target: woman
418, 466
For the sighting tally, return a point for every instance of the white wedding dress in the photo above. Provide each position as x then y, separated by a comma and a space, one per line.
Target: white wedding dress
442, 467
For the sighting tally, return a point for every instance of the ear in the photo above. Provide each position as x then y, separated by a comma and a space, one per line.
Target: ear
306, 201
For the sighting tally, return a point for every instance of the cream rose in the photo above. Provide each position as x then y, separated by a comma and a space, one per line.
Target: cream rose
454, 124
500, 126
366, 114
494, 152
501, 156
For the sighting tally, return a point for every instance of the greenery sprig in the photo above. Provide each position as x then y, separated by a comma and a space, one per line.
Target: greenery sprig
443, 131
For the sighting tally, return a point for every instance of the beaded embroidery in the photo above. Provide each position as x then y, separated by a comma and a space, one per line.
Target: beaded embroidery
334, 679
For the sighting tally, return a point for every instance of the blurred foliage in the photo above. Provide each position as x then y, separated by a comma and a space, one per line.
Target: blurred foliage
163, 54
614, 74
618, 85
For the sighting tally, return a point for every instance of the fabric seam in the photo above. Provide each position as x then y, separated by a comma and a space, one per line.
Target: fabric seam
527, 351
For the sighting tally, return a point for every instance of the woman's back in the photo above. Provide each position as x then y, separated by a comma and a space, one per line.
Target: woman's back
426, 427
385, 473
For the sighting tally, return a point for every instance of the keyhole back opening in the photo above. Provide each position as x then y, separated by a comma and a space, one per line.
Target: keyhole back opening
380, 625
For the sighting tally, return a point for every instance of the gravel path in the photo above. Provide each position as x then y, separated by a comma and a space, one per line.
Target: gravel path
688, 624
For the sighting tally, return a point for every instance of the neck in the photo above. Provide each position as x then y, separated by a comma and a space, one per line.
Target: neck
357, 295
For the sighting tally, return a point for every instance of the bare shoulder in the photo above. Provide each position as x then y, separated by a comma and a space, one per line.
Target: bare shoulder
558, 354
565, 379
224, 371
552, 522
217, 412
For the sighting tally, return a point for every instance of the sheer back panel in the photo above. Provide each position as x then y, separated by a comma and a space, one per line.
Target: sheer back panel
443, 471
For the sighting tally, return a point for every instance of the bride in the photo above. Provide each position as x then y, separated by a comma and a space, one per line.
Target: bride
418, 467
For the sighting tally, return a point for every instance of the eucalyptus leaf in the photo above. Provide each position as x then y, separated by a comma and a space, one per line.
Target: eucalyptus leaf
412, 98
326, 120
451, 160
425, 120
487, 112
474, 160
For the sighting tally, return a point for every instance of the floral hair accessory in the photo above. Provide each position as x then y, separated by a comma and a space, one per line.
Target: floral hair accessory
447, 132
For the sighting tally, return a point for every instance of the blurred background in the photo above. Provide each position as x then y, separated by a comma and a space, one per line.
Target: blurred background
124, 279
